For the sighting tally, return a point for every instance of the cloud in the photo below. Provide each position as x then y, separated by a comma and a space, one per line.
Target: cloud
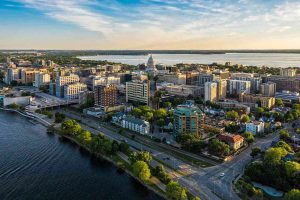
171, 21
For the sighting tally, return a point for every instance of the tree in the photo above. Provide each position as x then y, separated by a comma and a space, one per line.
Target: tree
136, 112
175, 192
141, 170
218, 147
140, 156
245, 118
255, 151
168, 104
70, 127
124, 147
278, 102
232, 115
161, 174
248, 136
273, 156
259, 112
278, 116
160, 122
114, 147
149, 116
100, 144
284, 135
291, 167
161, 113
59, 117
85, 136
284, 145
293, 194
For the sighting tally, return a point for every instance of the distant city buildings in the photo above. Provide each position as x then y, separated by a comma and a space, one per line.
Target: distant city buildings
288, 72
291, 83
236, 87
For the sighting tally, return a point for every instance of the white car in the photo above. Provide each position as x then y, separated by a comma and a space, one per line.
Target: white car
222, 174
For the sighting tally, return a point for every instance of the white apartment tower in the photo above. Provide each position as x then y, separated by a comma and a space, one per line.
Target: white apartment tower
210, 91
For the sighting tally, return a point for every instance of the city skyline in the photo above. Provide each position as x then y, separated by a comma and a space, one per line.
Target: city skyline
153, 24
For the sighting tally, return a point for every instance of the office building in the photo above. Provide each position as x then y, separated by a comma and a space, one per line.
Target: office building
28, 76
12, 74
138, 91
61, 81
105, 95
41, 79
72, 91
188, 118
255, 81
210, 91
236, 87
268, 89
191, 78
288, 72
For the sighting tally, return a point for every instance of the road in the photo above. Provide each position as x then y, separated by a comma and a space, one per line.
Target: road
203, 182
222, 186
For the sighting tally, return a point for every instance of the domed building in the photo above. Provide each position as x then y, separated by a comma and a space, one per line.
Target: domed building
151, 66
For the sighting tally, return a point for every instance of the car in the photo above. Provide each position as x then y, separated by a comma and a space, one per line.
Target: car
222, 175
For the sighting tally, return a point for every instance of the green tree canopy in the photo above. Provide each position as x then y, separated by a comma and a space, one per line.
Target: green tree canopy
218, 147
141, 170
85, 136
232, 115
293, 194
175, 192
140, 156
273, 156
278, 102
161, 113
284, 145
70, 127
245, 118
291, 167
248, 136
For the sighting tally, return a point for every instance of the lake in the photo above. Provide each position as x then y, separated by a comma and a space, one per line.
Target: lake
37, 165
255, 59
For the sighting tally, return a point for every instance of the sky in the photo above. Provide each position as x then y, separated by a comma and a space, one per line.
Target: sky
149, 24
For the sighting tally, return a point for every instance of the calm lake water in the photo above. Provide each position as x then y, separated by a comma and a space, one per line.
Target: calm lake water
36, 165
255, 59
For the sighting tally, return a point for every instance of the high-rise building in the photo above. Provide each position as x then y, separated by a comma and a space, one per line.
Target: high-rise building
105, 95
61, 81
138, 91
187, 119
221, 88
41, 78
236, 87
255, 81
28, 76
203, 78
287, 72
210, 91
291, 83
268, 89
72, 91
12, 74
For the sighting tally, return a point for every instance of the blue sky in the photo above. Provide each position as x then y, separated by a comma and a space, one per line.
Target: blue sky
150, 24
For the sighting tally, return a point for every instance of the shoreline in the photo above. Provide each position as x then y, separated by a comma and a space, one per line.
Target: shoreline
85, 148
